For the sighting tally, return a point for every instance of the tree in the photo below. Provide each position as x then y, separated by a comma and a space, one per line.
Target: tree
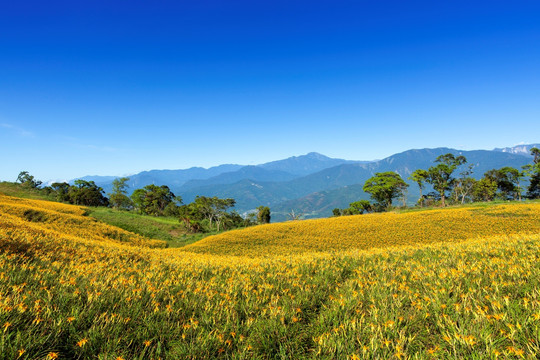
293, 215
28, 180
263, 215
154, 200
336, 212
440, 175
221, 206
118, 197
61, 191
87, 193
420, 177
484, 189
357, 208
533, 191
463, 185
191, 217
533, 171
536, 153
463, 189
508, 182
209, 214
384, 187
213, 209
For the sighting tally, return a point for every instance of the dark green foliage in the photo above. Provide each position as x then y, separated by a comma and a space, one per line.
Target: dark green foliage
87, 193
118, 198
507, 180
155, 200
208, 214
420, 177
485, 189
384, 187
263, 215
61, 191
355, 208
28, 180
440, 175
533, 191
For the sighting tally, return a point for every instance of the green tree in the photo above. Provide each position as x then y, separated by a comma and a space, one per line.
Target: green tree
154, 200
484, 189
336, 212
508, 182
420, 177
263, 215
533, 171
357, 208
191, 218
213, 209
61, 191
87, 193
28, 180
384, 187
118, 198
535, 152
463, 186
440, 175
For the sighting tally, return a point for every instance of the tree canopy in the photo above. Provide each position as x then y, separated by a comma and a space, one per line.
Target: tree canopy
384, 187
87, 193
155, 200
440, 175
118, 197
28, 180
263, 215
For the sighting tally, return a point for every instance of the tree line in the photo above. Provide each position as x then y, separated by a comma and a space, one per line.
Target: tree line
504, 184
207, 214
204, 214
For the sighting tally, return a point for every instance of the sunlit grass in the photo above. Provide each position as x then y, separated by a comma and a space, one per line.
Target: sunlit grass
375, 230
71, 287
168, 229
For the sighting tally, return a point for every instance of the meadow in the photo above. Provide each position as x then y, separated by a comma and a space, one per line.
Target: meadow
439, 284
379, 230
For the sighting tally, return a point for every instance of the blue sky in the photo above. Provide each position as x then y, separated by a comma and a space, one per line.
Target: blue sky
117, 87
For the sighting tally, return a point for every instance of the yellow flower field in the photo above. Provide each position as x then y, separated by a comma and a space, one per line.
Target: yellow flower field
374, 230
74, 288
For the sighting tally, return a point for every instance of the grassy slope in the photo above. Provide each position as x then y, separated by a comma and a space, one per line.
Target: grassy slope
375, 230
80, 297
162, 228
159, 228
14, 189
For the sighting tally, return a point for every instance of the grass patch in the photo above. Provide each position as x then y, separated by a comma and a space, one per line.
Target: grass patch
168, 229
17, 190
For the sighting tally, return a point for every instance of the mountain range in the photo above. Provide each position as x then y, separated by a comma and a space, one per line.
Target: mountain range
311, 184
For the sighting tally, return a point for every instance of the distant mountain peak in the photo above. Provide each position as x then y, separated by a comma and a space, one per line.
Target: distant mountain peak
520, 149
304, 164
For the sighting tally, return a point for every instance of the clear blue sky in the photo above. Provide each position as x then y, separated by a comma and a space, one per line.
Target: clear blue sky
116, 87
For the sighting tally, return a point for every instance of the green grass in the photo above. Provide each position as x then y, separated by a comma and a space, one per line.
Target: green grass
168, 229
16, 190
92, 299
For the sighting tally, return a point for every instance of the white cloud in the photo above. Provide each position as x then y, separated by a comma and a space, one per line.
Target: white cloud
20, 131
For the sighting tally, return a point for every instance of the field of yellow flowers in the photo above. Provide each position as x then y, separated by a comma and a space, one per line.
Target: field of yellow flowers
74, 288
375, 230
